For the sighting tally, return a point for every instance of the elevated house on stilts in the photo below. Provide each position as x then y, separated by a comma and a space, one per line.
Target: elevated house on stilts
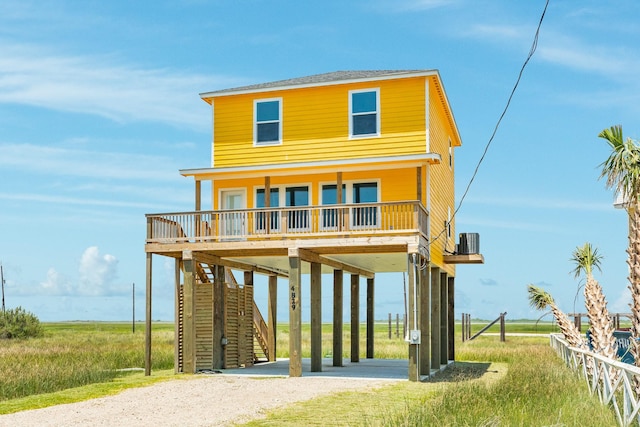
344, 172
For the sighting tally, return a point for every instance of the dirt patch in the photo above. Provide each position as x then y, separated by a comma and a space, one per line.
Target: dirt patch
214, 400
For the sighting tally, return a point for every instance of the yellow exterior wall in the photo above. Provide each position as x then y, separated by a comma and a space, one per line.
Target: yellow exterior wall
394, 184
442, 181
316, 128
315, 124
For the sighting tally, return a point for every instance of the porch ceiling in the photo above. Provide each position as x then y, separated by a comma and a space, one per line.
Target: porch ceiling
371, 262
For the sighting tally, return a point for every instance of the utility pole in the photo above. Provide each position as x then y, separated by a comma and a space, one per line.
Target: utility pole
133, 298
2, 281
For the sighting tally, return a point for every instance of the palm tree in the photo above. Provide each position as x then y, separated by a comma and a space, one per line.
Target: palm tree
622, 173
586, 258
540, 300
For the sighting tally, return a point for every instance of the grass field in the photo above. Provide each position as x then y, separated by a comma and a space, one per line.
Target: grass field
78, 360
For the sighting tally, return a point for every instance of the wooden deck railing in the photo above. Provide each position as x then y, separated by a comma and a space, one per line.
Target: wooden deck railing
303, 221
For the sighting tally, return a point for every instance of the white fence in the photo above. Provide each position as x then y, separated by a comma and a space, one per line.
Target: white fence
612, 381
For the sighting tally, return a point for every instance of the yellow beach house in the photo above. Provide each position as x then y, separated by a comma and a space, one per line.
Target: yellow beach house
348, 172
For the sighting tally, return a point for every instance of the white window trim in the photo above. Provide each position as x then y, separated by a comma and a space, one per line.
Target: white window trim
368, 135
255, 122
348, 188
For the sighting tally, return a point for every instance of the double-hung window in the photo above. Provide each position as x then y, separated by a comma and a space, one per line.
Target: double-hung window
267, 121
364, 113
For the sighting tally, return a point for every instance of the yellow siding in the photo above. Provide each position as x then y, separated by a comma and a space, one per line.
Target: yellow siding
394, 184
315, 128
316, 124
442, 183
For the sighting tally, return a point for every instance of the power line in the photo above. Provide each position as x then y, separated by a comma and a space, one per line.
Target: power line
534, 46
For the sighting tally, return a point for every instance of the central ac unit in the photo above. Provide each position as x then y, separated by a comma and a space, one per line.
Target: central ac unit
469, 244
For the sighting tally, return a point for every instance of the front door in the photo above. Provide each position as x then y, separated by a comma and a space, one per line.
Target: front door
233, 224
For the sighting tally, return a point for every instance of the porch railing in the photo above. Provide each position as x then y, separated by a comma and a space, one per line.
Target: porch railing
612, 381
302, 221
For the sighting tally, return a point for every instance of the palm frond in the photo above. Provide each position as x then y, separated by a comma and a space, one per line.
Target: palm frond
622, 168
539, 298
586, 258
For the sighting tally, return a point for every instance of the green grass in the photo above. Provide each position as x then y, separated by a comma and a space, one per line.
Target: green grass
518, 383
77, 354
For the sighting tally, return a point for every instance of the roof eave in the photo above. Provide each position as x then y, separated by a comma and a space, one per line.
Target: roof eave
206, 96
418, 159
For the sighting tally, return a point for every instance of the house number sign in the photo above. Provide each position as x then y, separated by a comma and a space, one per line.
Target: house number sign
293, 298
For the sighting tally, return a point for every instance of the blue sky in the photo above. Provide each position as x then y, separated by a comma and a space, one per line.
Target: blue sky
99, 109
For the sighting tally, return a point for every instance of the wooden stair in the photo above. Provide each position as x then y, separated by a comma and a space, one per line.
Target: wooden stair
260, 328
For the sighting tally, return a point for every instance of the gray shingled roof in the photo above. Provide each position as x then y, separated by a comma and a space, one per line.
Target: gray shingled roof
319, 79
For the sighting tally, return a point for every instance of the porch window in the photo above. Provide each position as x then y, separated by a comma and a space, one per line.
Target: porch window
261, 217
268, 121
297, 196
330, 197
364, 107
365, 216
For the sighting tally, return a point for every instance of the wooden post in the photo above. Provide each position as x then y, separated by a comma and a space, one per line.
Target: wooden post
246, 321
147, 332
370, 318
177, 325
316, 317
198, 195
337, 316
272, 314
390, 326
342, 215
189, 333
398, 325
435, 318
419, 184
295, 314
425, 321
502, 330
219, 361
267, 204
414, 348
355, 317
451, 317
444, 321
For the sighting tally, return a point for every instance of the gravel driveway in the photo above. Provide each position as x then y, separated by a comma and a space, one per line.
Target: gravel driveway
211, 400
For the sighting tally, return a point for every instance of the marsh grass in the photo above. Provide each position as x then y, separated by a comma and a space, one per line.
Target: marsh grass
76, 354
517, 383
521, 382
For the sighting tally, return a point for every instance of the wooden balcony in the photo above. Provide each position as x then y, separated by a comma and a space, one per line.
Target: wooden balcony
360, 238
327, 221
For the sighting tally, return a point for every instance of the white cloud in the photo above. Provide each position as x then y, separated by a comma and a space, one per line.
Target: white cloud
536, 202
97, 272
56, 284
411, 5
621, 302
104, 86
85, 163
97, 275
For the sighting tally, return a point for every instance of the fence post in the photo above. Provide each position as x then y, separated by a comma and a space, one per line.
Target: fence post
464, 327
390, 326
404, 325
502, 339
397, 325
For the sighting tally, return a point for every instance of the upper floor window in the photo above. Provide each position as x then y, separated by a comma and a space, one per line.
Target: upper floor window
364, 112
268, 121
